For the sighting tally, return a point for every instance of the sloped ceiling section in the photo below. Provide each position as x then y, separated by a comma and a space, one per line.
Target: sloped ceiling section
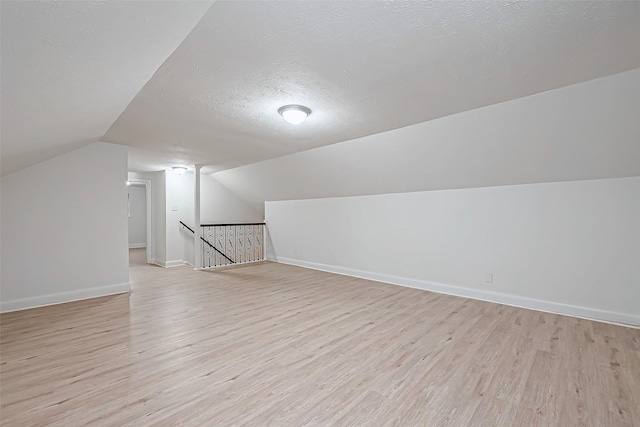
363, 68
590, 130
69, 69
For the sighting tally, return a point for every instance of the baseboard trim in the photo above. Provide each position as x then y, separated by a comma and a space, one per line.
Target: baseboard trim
589, 313
172, 263
137, 245
63, 297
176, 263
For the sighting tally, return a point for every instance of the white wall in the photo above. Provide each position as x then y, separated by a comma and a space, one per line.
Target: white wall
137, 216
64, 228
219, 205
569, 247
179, 207
172, 201
159, 217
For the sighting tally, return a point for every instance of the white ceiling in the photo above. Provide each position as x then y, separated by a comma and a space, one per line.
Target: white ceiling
69, 69
560, 135
362, 67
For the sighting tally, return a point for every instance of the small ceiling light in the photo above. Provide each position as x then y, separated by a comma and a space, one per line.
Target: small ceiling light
294, 114
128, 182
179, 169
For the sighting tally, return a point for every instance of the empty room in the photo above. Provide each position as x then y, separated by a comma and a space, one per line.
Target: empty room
320, 213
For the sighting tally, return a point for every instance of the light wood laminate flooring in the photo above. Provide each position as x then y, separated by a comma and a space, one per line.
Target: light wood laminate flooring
271, 344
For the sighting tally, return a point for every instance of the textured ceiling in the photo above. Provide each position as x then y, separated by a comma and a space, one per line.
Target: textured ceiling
363, 68
589, 130
70, 68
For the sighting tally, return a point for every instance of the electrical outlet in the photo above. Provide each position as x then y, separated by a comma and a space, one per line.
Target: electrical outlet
488, 278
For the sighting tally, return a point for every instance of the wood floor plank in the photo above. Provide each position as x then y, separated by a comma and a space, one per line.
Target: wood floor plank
271, 344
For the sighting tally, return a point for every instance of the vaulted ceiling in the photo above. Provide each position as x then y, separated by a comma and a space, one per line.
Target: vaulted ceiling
69, 69
201, 82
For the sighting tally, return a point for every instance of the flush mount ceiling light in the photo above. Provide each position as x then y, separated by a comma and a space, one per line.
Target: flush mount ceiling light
294, 114
179, 169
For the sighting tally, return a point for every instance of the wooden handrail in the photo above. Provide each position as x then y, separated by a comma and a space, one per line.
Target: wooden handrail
227, 225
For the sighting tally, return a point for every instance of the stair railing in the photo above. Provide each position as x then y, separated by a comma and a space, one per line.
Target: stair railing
209, 244
227, 244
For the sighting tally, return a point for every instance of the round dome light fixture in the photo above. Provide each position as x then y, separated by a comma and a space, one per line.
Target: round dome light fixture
294, 114
179, 169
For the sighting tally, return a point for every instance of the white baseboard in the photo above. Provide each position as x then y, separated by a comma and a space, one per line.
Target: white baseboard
172, 263
62, 297
137, 245
590, 313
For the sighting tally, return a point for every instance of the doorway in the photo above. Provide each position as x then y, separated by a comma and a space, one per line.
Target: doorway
139, 219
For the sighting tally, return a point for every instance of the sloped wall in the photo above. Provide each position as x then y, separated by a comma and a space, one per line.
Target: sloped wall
219, 205
585, 131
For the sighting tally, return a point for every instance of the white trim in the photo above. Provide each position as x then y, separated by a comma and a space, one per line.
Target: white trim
137, 245
623, 319
63, 297
174, 263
